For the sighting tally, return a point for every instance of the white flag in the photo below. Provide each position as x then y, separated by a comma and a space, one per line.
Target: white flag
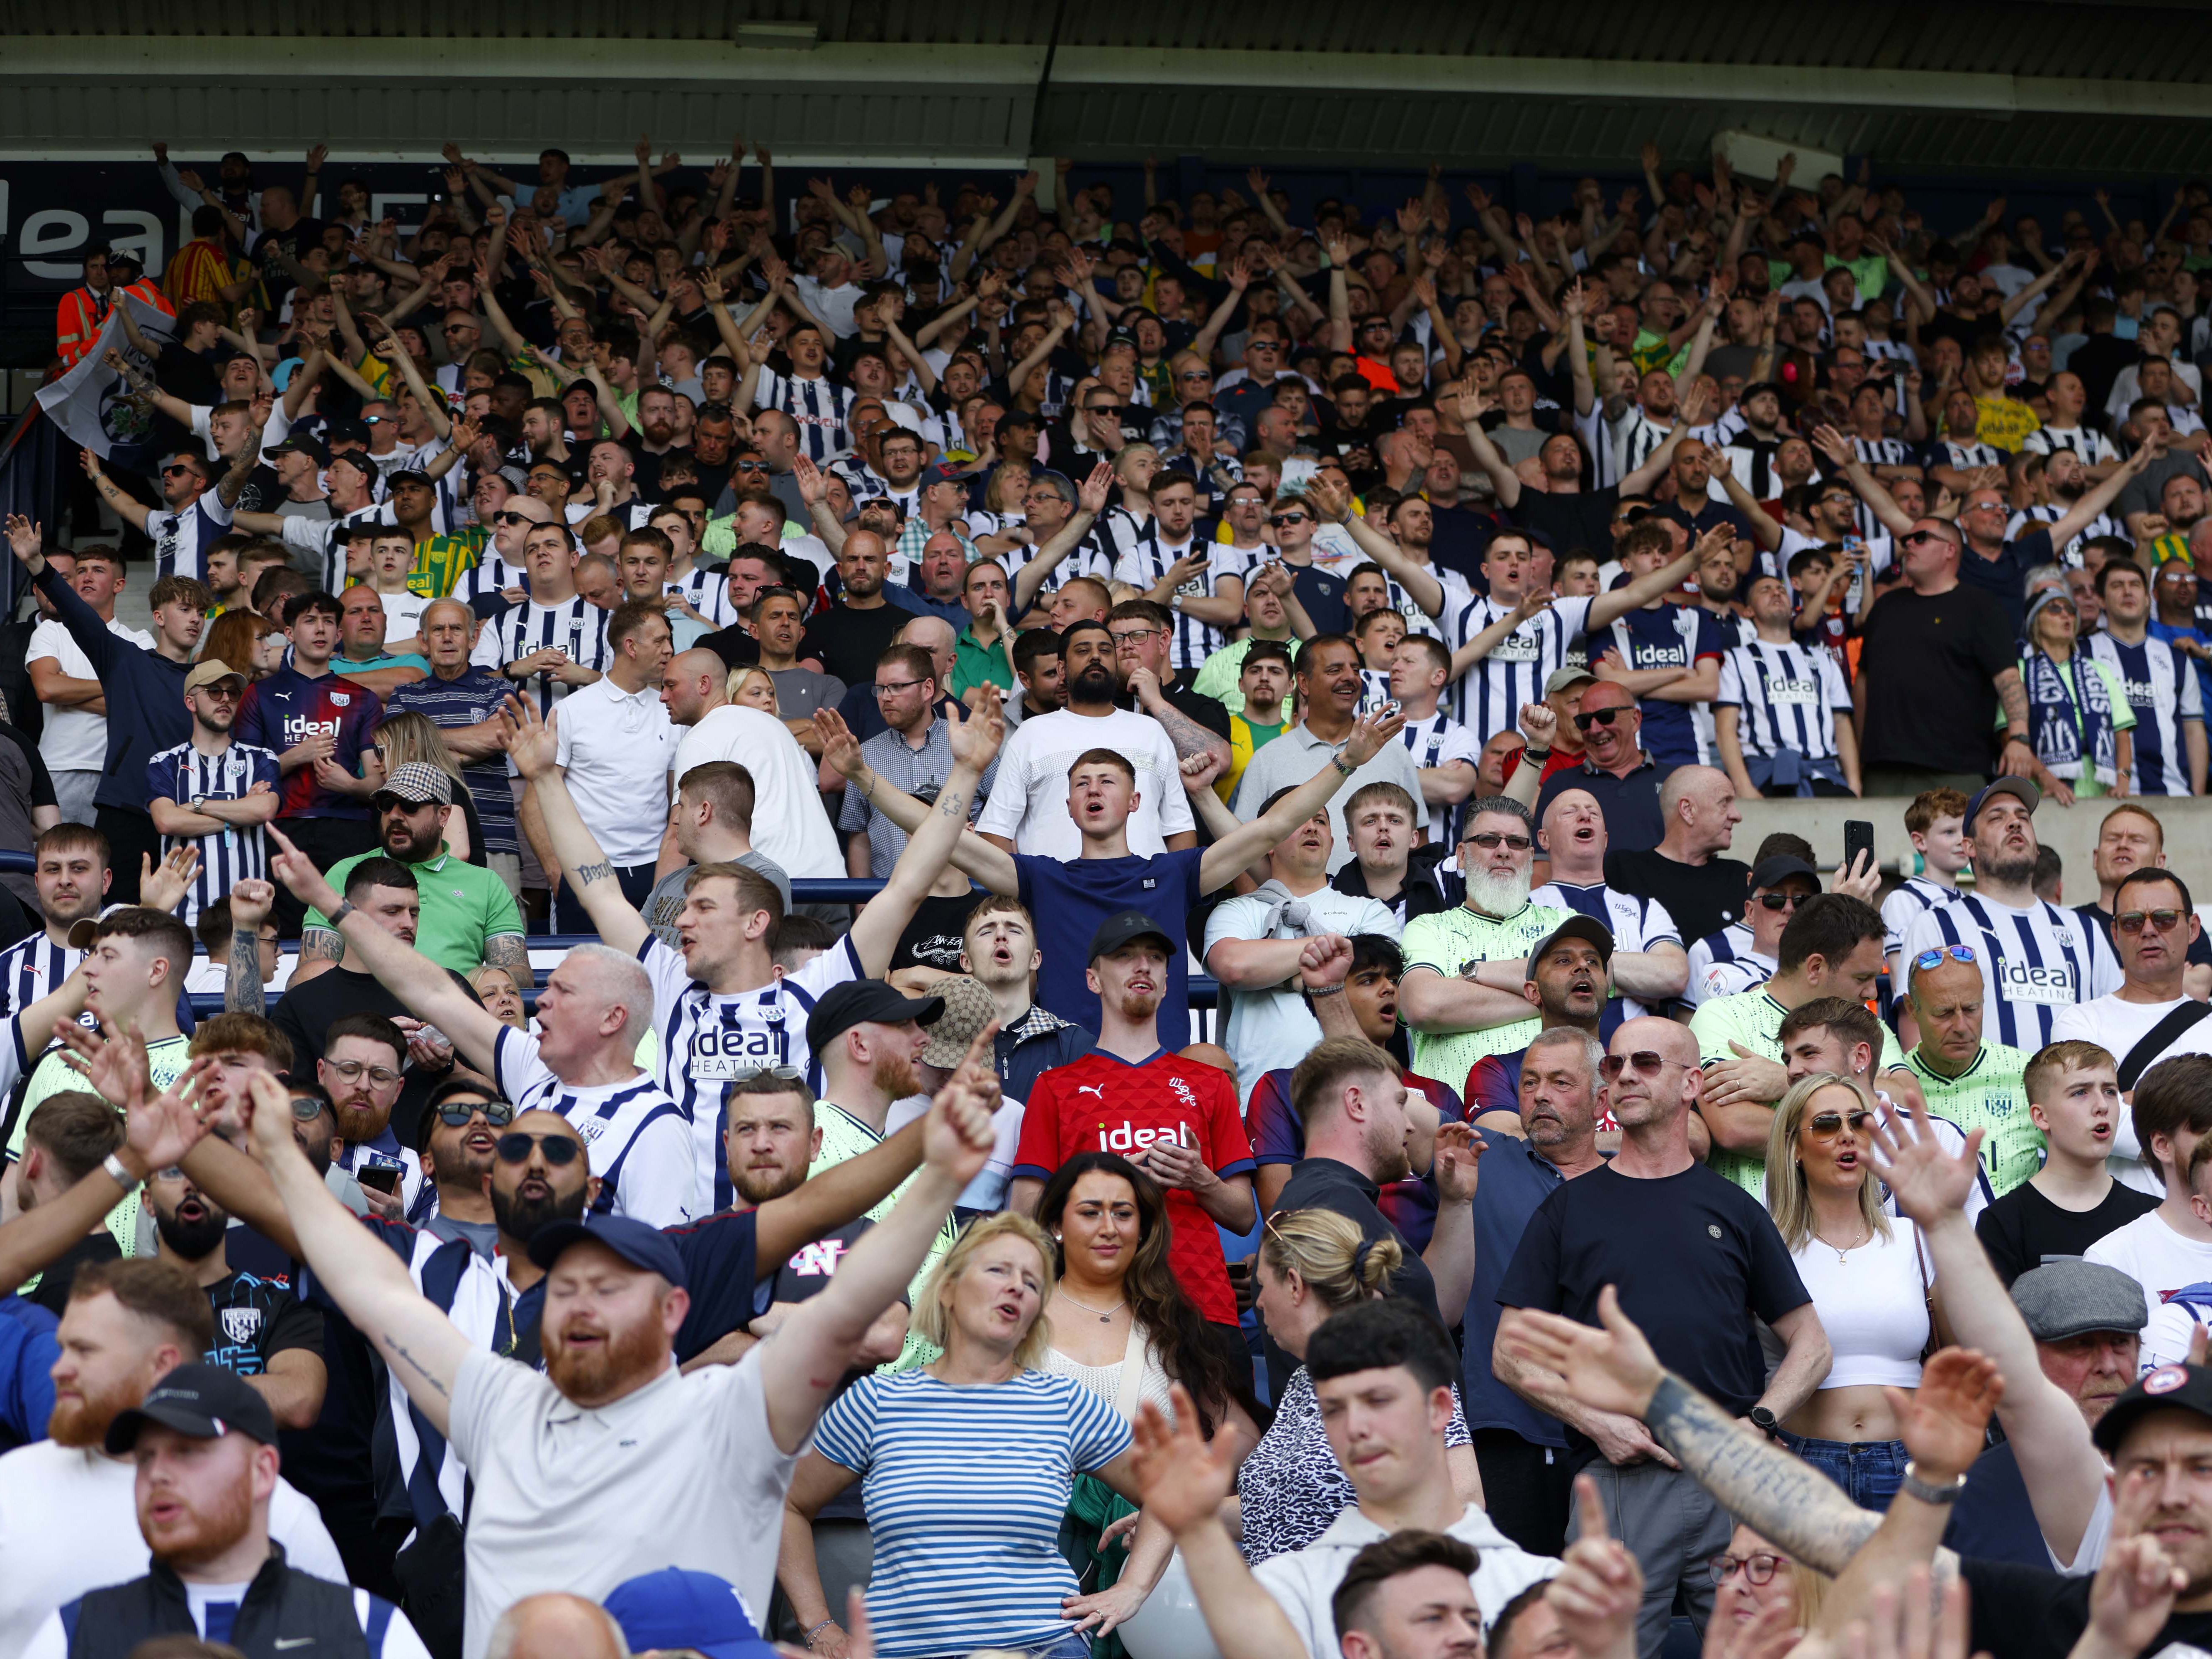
89, 403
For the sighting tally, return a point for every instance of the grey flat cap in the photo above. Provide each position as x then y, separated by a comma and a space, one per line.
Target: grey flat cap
2062, 1299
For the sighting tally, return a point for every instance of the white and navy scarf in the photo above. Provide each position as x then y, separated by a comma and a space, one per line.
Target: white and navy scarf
2069, 715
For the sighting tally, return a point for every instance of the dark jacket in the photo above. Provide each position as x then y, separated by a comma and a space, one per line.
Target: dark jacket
1040, 1041
146, 711
281, 1604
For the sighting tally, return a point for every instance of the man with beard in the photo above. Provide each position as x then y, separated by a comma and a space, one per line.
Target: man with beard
65, 1505
72, 877
615, 1298
2034, 957
213, 794
456, 1148
262, 1332
360, 1068
205, 1447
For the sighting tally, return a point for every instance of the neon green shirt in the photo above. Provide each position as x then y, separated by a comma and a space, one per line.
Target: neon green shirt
1447, 942
165, 1059
845, 1136
1753, 1019
1218, 675
1988, 1096
463, 905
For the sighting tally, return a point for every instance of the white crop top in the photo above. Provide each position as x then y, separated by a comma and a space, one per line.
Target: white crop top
1873, 1305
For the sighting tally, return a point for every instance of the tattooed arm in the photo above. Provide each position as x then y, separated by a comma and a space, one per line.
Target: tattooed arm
232, 484
512, 952
250, 902
533, 743
424, 1348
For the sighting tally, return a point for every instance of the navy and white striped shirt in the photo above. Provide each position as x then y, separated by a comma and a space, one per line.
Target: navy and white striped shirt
708, 593
1089, 558
1490, 695
2165, 694
1145, 558
1912, 897
821, 409
1434, 741
233, 854
1788, 695
705, 1041
2032, 962
1726, 965
324, 541
32, 970
640, 1141
2093, 446
1668, 636
1637, 924
182, 537
2029, 517
576, 626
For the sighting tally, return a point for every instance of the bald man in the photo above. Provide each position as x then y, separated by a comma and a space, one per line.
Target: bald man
552, 1625
1686, 872
849, 636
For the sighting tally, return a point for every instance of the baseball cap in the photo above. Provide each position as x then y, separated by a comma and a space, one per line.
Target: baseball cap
208, 671
1117, 930
2072, 1297
859, 1001
676, 1608
339, 432
301, 444
644, 1247
2019, 788
1586, 928
204, 1401
1773, 872
415, 782
1754, 389
83, 929
937, 472
1563, 679
2176, 1387
967, 1009
411, 475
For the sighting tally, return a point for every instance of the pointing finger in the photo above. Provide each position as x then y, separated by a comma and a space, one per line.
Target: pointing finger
1591, 1507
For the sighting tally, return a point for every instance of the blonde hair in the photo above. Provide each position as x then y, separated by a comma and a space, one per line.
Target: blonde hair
739, 676
1787, 1198
407, 736
933, 1318
1324, 1249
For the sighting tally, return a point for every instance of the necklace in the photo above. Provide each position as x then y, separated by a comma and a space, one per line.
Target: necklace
1104, 1318
1841, 1250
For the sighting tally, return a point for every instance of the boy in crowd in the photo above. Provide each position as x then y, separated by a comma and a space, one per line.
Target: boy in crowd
1935, 821
2066, 1207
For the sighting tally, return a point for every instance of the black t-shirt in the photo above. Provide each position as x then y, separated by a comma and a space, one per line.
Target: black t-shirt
733, 645
846, 642
1702, 898
932, 939
52, 1293
1930, 663
2005, 577
256, 1317
1583, 520
306, 1011
1696, 1262
1994, 1519
2023, 1228
1323, 1183
2027, 1613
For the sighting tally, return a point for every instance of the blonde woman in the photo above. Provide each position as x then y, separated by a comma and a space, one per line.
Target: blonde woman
1753, 1575
1310, 1264
966, 1467
502, 998
753, 687
407, 736
1868, 1278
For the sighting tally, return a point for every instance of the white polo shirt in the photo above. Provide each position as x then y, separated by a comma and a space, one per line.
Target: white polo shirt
616, 748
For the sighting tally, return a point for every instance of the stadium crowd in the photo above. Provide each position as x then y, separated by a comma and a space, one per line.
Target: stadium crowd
471, 1197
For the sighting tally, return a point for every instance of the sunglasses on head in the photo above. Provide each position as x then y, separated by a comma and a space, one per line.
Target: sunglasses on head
2131, 921
455, 1113
1597, 717
1934, 958
1648, 1062
516, 1145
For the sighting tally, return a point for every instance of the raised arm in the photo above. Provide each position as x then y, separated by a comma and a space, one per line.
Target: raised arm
533, 743
1221, 862
972, 855
1090, 501
1503, 478
2083, 513
131, 511
1764, 527
1841, 456
1331, 504
1656, 584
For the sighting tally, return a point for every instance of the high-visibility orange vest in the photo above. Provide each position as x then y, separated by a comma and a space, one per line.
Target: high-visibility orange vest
77, 323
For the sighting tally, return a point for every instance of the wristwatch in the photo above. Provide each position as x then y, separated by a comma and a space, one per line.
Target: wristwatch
1766, 1422
121, 1176
1345, 768
1931, 1494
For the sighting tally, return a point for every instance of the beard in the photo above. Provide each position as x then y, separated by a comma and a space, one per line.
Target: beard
359, 1125
2009, 870
401, 842
521, 1218
196, 1239
607, 1368
757, 1186
1138, 1005
198, 1535
893, 1074
455, 1165
1096, 683
81, 1422
1497, 894
1387, 1159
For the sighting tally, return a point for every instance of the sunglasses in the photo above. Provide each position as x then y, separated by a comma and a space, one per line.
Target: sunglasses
1281, 519
1489, 839
749, 466
504, 516
780, 1073
1913, 537
179, 472
454, 1114
1826, 1126
516, 1146
1934, 958
1781, 901
1598, 717
2131, 921
1648, 1062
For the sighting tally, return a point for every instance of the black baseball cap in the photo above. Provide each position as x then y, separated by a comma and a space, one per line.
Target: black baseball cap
1773, 872
1119, 929
645, 1248
204, 1401
1588, 929
2169, 1387
339, 432
412, 475
861, 1001
301, 444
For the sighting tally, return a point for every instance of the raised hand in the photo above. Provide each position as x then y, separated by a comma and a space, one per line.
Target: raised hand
161, 1131
1944, 1422
1182, 1476
1370, 732
974, 739
839, 746
113, 1059
164, 889
2133, 1595
250, 902
297, 872
269, 1123
533, 740
1459, 1151
25, 538
1326, 961
1091, 494
1200, 771
1610, 1368
1926, 1181
1861, 881
1540, 724
1600, 1586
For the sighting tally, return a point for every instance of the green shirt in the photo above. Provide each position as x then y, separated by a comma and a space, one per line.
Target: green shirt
1754, 1020
444, 560
1988, 1096
166, 1060
976, 663
1218, 675
464, 906
1869, 270
845, 1136
1449, 940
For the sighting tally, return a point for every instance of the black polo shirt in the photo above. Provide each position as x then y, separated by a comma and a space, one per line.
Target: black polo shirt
1633, 822
1323, 1183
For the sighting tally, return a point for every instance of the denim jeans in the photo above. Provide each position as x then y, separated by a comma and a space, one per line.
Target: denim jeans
1073, 1645
1869, 1470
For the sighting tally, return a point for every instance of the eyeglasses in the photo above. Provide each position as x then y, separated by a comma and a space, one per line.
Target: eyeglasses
1599, 717
516, 1146
382, 1076
884, 688
1826, 1126
1130, 636
1648, 1062
1913, 537
454, 1114
1781, 901
1489, 839
2131, 921
1759, 1569
305, 1108
1934, 958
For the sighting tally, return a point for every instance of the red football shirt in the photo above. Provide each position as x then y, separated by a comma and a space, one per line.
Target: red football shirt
1102, 1104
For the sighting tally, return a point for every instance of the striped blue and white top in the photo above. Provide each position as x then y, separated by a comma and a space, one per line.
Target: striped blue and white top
576, 626
182, 537
640, 1141
1147, 557
1904, 906
229, 855
1787, 697
2033, 961
1491, 694
967, 1550
820, 407
2165, 696
33, 969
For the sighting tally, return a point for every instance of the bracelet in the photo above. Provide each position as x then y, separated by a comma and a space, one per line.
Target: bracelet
1913, 1485
1529, 753
121, 1176
1335, 990
1344, 767
808, 1639
345, 908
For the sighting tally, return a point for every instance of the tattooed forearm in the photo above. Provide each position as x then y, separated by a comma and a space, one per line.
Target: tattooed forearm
241, 983
2013, 695
952, 804
393, 1347
1777, 1495
586, 874
1188, 736
510, 952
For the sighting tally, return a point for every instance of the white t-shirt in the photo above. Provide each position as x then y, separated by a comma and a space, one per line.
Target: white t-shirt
1029, 801
1268, 1023
75, 739
681, 1473
2175, 1275
614, 749
988, 1191
789, 825
403, 614
68, 1522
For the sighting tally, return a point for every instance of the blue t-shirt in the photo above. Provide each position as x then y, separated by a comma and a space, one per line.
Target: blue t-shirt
28, 1354
967, 1547
1070, 900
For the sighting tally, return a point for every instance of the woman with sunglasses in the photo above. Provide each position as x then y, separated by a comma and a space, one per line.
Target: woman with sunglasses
2080, 722
1752, 1576
1869, 1276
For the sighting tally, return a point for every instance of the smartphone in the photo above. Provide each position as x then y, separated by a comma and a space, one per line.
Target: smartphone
384, 1177
1858, 837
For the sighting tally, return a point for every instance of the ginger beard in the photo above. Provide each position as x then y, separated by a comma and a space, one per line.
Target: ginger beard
893, 1076
80, 1418
183, 1531
588, 1361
